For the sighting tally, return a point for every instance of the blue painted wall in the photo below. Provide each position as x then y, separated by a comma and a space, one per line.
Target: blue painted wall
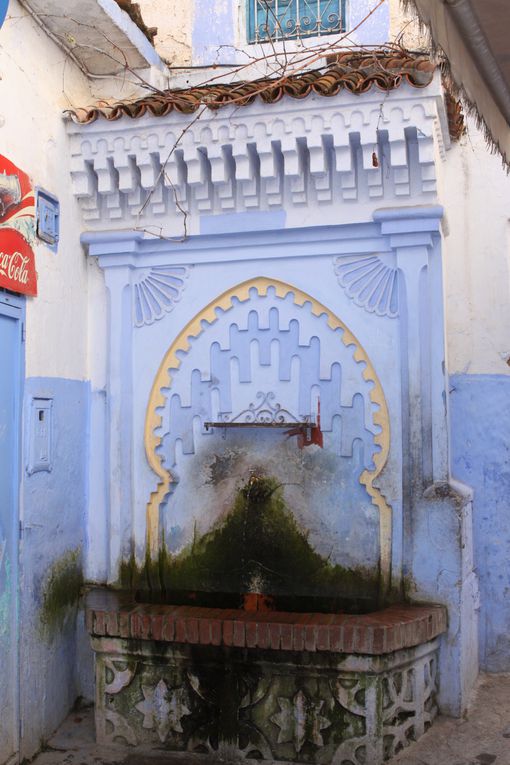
480, 426
54, 507
368, 29
215, 39
213, 28
11, 354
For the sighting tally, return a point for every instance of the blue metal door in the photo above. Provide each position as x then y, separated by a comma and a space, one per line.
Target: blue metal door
11, 359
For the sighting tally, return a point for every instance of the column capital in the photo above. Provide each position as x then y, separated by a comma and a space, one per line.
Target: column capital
113, 248
410, 226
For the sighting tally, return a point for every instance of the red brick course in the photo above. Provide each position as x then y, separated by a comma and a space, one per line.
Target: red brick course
377, 633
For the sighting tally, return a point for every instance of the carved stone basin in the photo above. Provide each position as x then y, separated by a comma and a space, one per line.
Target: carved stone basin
310, 688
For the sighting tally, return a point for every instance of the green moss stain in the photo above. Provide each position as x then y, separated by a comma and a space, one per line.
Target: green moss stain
409, 588
61, 591
133, 577
5, 596
258, 547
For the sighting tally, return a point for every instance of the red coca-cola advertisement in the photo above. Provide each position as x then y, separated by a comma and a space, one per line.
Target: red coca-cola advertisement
17, 230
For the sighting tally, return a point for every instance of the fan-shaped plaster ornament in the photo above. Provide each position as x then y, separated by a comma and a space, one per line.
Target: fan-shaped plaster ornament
155, 292
370, 283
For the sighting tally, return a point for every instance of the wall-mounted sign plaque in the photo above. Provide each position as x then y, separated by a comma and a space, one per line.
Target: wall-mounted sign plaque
17, 230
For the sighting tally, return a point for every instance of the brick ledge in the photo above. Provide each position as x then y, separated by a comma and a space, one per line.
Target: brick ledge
108, 614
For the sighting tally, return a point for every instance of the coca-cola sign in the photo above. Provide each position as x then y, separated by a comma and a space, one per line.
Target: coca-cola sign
3, 10
17, 230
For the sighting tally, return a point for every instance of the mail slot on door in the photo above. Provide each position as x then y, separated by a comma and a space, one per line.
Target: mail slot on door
40, 436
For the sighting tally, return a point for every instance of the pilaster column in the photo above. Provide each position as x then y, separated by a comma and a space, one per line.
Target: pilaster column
437, 512
116, 252
413, 234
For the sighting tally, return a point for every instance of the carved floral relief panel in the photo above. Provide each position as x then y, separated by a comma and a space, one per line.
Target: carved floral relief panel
260, 709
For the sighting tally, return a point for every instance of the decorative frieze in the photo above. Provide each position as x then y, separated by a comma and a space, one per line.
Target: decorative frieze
345, 149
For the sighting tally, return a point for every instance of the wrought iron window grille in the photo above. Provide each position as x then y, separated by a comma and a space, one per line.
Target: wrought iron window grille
292, 19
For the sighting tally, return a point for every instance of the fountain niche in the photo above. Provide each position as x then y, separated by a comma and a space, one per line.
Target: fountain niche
261, 617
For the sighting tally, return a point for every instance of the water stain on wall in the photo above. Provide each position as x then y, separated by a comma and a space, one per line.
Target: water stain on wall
61, 592
258, 547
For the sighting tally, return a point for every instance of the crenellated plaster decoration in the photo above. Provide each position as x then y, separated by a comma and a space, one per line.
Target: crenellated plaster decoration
346, 149
155, 292
370, 282
161, 390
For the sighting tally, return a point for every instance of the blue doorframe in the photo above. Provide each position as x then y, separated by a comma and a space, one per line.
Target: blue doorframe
12, 312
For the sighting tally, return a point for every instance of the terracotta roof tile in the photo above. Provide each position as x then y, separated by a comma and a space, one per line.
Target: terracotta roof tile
133, 11
354, 71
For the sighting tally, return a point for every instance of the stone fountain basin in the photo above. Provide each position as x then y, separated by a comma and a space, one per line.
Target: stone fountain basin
290, 687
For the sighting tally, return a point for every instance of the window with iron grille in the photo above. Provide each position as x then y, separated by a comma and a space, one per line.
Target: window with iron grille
290, 19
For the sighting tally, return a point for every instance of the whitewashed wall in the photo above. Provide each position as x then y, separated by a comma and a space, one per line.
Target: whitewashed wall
476, 196
37, 83
476, 191
173, 41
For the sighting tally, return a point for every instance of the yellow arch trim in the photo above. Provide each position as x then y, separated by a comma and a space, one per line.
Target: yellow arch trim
182, 344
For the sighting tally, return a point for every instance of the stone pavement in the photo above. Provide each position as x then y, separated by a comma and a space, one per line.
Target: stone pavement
482, 738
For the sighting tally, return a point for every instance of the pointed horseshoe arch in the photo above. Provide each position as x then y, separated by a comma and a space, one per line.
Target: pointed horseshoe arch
181, 344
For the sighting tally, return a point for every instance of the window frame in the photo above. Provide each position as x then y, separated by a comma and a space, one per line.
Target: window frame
252, 9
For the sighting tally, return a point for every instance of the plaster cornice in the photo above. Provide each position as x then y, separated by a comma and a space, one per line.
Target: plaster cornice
348, 149
418, 226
